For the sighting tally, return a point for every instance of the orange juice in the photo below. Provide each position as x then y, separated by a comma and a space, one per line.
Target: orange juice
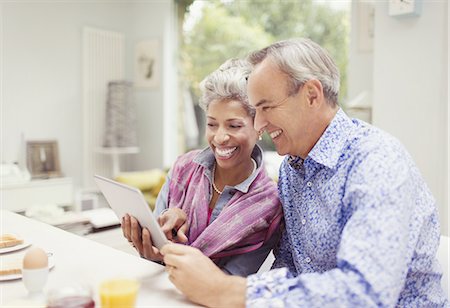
117, 293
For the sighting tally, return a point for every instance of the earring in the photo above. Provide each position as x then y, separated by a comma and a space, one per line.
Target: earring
260, 135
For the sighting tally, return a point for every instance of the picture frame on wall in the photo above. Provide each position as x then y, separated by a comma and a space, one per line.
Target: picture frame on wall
147, 64
43, 159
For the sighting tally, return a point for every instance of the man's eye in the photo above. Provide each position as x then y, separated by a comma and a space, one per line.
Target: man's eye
266, 108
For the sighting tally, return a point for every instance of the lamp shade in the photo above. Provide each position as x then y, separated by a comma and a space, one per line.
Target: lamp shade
120, 116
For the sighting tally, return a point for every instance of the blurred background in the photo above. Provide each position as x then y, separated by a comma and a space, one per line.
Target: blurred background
111, 87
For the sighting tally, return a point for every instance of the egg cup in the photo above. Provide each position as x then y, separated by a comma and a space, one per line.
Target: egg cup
35, 280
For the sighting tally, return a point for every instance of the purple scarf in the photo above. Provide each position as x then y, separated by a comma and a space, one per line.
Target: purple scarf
244, 224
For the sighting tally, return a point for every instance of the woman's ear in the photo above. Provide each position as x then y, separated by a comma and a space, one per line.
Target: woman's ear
314, 92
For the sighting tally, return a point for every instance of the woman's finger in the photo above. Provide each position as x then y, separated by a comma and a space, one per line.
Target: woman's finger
126, 227
150, 252
181, 234
136, 235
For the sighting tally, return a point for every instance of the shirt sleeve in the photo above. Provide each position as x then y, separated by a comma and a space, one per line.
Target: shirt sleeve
249, 263
161, 201
372, 260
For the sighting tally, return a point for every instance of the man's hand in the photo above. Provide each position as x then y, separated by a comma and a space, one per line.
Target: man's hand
140, 238
200, 279
174, 219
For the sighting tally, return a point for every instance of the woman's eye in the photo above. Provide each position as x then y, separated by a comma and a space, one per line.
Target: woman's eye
235, 126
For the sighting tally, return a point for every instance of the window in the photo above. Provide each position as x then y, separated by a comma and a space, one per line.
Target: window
214, 31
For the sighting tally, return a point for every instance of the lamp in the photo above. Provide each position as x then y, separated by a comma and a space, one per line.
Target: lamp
120, 120
120, 123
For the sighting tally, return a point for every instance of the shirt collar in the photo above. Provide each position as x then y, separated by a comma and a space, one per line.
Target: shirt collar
329, 147
206, 159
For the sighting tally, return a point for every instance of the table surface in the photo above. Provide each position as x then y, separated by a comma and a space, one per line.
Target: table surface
80, 260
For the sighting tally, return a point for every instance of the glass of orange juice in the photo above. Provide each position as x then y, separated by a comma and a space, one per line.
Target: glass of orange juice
118, 292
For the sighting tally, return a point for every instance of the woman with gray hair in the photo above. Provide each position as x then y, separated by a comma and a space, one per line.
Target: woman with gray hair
220, 199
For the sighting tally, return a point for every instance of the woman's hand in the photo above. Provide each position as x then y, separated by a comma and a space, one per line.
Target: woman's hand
174, 224
140, 238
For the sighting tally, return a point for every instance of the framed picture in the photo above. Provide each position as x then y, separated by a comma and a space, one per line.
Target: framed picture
147, 64
43, 159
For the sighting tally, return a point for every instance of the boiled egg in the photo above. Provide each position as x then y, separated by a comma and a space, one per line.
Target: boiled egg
35, 258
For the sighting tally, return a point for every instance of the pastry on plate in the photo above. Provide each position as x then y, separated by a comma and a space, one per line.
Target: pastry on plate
9, 240
11, 266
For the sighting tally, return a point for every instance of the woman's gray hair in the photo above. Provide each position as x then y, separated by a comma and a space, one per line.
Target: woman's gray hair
302, 60
228, 82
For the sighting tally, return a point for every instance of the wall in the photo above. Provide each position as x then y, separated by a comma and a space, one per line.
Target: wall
41, 74
410, 82
360, 66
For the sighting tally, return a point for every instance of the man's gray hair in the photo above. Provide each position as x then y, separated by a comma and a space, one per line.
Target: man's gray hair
302, 60
228, 82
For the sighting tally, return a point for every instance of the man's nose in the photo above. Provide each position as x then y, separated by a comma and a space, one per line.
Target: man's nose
260, 122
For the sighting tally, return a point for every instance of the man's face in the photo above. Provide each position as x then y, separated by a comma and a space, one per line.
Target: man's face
287, 119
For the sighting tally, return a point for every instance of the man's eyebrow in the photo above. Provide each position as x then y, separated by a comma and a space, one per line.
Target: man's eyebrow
261, 102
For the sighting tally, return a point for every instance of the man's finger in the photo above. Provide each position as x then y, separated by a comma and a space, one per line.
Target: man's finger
177, 249
172, 279
173, 260
169, 269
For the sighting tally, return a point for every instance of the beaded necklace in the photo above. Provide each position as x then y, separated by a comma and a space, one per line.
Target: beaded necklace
214, 172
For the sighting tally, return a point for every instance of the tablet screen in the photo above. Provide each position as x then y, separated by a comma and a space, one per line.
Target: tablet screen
125, 199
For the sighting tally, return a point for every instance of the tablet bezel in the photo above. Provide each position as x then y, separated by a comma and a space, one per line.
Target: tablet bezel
124, 199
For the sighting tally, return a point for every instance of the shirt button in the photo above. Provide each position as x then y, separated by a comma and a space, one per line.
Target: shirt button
309, 184
308, 259
303, 221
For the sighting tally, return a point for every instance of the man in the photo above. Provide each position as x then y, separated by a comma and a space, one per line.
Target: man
361, 225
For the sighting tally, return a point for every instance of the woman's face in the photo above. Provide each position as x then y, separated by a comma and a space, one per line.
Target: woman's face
230, 133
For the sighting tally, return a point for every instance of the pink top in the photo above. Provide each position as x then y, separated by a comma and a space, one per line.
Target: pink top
210, 210
245, 223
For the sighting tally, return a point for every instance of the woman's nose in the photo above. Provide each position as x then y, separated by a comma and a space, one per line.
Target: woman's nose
221, 136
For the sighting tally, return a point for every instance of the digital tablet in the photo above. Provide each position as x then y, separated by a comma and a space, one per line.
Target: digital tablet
125, 199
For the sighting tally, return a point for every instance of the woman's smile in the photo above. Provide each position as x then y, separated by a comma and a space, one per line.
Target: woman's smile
225, 152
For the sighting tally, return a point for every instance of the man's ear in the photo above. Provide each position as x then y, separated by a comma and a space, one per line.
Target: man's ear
314, 92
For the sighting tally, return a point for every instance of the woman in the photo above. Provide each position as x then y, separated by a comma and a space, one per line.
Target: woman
220, 199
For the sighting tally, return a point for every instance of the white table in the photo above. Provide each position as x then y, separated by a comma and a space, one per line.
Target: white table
79, 260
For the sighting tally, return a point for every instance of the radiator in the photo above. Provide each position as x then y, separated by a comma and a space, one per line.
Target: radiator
103, 61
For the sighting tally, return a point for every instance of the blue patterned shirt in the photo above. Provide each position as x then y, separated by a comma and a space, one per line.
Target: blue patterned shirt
361, 227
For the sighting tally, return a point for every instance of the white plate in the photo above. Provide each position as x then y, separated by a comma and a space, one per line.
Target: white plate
14, 248
51, 264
